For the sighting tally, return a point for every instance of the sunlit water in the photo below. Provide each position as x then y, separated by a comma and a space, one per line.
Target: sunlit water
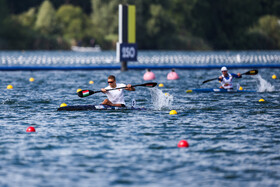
234, 139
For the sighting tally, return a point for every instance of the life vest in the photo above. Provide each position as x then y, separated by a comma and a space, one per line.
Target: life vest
227, 83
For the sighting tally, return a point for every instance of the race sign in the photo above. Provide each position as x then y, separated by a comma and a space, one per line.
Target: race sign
126, 52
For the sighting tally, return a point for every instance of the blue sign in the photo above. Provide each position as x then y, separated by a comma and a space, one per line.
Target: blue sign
126, 52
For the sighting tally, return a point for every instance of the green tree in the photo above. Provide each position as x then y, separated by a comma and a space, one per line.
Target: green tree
28, 18
3, 16
105, 21
268, 28
12, 34
160, 24
223, 22
270, 7
160, 27
46, 21
72, 22
3, 10
270, 25
181, 10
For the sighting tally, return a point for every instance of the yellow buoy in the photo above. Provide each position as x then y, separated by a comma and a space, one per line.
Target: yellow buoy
240, 88
63, 105
9, 87
172, 112
90, 82
79, 90
261, 100
160, 85
274, 77
189, 91
31, 79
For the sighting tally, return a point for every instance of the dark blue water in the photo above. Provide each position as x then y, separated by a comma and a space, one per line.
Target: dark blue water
234, 139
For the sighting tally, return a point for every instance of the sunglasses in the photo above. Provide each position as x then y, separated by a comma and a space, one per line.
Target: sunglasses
110, 82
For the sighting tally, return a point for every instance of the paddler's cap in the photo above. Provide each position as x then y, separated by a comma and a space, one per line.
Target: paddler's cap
224, 68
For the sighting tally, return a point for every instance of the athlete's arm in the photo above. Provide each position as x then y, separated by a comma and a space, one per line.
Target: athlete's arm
236, 76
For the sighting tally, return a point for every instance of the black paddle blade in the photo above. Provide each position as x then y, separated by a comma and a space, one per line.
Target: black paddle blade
85, 93
252, 72
209, 80
150, 84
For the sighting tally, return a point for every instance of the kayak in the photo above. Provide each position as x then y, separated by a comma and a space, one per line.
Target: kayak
96, 107
218, 90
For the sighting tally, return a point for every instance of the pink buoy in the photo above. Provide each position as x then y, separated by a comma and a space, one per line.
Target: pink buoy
149, 75
172, 75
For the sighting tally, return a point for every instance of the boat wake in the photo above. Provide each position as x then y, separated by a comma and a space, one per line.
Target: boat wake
161, 100
264, 85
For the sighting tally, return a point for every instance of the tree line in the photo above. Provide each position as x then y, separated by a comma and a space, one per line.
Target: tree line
160, 24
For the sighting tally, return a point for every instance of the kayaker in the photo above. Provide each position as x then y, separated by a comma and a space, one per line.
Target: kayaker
226, 78
115, 97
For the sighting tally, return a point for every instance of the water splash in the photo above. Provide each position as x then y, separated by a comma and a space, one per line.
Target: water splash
161, 100
264, 85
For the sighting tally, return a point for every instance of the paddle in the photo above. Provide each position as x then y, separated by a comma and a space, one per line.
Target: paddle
85, 93
251, 72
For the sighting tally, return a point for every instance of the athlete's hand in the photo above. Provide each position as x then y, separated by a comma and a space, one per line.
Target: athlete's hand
238, 74
103, 90
130, 88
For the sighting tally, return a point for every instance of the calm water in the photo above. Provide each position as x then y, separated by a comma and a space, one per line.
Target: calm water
234, 139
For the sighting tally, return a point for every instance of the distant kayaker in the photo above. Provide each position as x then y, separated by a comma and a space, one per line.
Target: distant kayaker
115, 97
226, 78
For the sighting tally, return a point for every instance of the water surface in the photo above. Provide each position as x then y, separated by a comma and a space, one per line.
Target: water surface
234, 139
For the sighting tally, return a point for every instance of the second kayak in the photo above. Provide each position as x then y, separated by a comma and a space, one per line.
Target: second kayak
218, 90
